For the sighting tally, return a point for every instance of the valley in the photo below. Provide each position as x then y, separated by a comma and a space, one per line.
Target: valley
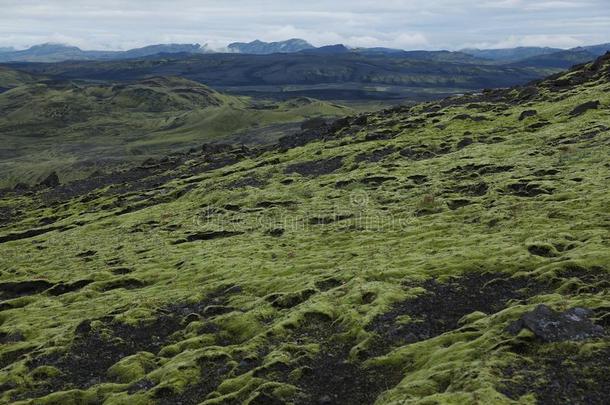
78, 117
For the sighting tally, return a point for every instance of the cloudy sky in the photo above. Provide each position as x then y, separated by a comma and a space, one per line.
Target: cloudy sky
408, 24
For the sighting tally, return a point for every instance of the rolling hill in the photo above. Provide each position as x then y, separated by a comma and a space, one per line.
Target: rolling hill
450, 252
77, 129
10, 78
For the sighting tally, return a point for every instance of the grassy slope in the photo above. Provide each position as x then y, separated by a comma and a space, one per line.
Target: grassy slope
75, 129
10, 78
315, 311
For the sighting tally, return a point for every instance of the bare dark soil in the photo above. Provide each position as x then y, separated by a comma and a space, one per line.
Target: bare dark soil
329, 377
560, 376
439, 309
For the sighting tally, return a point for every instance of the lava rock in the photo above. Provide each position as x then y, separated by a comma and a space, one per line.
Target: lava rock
339, 124
276, 232
583, 108
11, 337
542, 250
527, 113
464, 142
361, 120
21, 187
315, 168
51, 181
313, 123
551, 326
15, 289
379, 136
302, 138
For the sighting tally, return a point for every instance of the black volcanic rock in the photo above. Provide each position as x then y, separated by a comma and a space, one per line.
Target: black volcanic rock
313, 123
552, 326
583, 108
52, 180
527, 113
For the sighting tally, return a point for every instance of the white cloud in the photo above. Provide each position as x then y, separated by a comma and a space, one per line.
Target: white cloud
532, 5
406, 40
502, 4
513, 41
412, 24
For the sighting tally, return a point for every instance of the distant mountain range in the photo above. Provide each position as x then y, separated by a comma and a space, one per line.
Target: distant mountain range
59, 53
266, 48
510, 54
541, 57
538, 57
561, 59
596, 49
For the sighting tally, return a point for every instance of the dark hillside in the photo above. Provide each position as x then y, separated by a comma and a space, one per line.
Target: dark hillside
219, 70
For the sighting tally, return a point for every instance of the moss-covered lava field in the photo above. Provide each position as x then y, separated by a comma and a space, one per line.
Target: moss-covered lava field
453, 252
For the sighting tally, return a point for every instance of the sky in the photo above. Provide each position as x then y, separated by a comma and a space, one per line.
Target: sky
405, 24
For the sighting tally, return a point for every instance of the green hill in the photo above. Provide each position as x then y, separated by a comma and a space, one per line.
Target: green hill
76, 129
10, 78
453, 252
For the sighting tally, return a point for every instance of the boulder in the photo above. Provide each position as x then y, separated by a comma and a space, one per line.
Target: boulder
551, 326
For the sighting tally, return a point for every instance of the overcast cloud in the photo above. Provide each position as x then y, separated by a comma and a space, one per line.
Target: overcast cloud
408, 24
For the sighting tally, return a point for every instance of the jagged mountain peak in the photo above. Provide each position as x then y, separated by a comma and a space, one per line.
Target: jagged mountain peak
263, 48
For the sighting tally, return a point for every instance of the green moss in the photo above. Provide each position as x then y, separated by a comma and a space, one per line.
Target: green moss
44, 372
250, 310
132, 368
